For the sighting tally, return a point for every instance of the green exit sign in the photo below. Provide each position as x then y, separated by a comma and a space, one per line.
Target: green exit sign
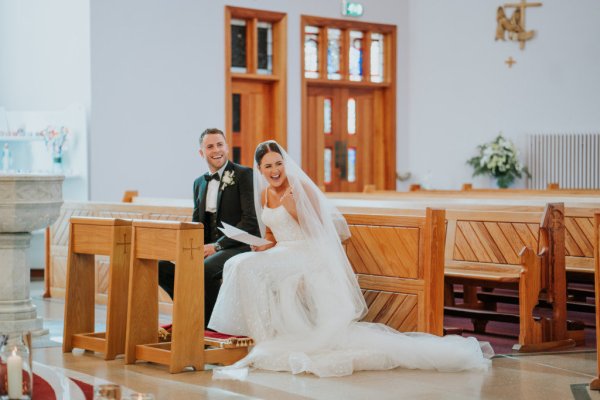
352, 9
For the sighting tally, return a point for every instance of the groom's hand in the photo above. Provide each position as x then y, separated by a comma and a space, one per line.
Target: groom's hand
209, 250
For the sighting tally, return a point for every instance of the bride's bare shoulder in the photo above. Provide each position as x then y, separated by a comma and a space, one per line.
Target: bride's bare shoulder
264, 195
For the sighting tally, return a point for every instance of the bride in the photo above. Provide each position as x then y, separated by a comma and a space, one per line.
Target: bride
299, 299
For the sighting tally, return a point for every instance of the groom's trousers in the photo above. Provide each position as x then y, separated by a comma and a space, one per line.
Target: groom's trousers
213, 274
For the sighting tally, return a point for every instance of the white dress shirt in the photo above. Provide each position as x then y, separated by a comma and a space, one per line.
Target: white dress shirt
212, 191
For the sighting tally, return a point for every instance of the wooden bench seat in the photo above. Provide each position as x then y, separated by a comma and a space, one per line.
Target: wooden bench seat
500, 273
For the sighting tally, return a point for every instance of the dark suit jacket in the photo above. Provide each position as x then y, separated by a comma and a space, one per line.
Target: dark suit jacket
235, 203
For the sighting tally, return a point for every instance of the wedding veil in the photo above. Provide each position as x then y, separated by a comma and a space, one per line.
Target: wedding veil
324, 228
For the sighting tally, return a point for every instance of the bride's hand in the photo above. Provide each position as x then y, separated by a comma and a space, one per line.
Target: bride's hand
289, 203
263, 247
288, 199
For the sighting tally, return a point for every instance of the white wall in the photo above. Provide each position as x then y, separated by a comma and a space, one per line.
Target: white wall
462, 93
158, 81
45, 66
44, 54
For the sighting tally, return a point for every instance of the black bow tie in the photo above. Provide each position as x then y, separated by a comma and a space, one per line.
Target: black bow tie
214, 176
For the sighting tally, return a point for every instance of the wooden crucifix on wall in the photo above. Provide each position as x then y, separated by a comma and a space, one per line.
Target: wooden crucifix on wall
515, 26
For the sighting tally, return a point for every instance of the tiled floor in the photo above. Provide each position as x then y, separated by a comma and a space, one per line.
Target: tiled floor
546, 377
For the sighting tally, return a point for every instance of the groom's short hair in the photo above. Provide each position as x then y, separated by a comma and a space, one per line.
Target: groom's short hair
211, 131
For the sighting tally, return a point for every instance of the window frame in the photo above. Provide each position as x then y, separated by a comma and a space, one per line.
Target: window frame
384, 164
278, 75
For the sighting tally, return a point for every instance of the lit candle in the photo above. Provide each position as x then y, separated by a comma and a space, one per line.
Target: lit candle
14, 366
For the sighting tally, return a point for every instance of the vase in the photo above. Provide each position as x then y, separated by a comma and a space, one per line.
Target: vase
503, 182
16, 376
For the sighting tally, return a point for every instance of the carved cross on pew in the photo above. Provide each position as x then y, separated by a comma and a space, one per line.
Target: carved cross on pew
192, 248
124, 243
521, 7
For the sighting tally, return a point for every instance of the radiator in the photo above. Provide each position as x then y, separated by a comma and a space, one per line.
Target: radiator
571, 160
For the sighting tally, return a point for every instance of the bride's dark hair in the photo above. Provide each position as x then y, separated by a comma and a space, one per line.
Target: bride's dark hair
264, 148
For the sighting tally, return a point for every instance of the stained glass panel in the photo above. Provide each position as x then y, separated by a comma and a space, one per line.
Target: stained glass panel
355, 55
238, 45
376, 57
333, 53
327, 164
311, 52
265, 48
327, 116
351, 116
352, 164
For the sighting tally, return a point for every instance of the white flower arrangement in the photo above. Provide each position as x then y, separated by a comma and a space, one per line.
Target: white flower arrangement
228, 179
500, 160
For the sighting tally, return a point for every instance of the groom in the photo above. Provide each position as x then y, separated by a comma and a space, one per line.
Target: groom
224, 194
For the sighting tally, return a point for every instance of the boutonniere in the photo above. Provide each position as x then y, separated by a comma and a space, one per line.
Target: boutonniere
228, 179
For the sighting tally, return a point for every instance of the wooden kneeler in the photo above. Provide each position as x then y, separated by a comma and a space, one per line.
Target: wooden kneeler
181, 242
89, 237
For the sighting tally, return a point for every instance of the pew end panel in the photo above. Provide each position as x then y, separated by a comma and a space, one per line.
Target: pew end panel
541, 334
399, 265
595, 383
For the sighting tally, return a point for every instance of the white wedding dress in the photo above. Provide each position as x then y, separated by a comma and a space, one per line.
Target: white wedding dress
282, 298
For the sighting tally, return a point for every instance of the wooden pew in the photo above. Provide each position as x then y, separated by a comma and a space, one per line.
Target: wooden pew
365, 225
511, 250
163, 212
505, 270
563, 195
399, 262
578, 214
551, 189
578, 221
549, 186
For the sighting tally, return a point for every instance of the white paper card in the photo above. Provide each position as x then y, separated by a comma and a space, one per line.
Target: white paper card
242, 236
